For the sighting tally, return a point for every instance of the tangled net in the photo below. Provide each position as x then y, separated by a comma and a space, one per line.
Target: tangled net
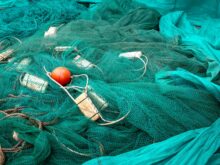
131, 86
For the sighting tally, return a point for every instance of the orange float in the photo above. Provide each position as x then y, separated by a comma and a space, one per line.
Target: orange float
61, 75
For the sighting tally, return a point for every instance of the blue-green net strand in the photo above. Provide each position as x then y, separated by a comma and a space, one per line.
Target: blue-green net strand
178, 93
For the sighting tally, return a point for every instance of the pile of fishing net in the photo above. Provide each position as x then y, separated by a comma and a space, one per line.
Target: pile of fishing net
192, 147
138, 78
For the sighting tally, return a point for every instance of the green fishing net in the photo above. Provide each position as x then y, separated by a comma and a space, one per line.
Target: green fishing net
25, 19
186, 146
143, 84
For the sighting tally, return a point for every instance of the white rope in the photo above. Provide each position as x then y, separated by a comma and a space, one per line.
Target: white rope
144, 67
67, 148
108, 122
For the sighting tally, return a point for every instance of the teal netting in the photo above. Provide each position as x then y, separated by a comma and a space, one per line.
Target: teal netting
25, 19
150, 77
192, 147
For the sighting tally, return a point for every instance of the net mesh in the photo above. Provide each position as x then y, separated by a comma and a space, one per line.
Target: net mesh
50, 127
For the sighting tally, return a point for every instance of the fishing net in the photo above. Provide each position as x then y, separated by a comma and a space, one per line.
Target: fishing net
25, 19
124, 94
186, 146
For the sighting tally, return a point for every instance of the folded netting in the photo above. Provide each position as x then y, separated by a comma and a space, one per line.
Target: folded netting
119, 61
197, 9
203, 41
199, 146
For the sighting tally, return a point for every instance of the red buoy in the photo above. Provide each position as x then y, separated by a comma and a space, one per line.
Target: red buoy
61, 75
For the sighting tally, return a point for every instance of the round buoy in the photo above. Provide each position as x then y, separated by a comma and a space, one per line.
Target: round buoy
61, 75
